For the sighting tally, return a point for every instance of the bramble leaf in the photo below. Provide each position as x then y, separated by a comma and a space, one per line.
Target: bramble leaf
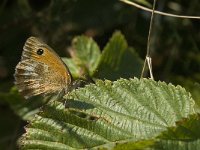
118, 60
107, 113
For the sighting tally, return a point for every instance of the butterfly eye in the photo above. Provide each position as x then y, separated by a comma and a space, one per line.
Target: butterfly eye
40, 51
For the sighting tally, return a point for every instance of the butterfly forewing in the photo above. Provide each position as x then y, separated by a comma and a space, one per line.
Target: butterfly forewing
41, 71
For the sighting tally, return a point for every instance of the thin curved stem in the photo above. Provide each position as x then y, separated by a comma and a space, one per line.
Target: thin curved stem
159, 12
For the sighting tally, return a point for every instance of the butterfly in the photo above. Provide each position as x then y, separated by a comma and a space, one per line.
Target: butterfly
41, 71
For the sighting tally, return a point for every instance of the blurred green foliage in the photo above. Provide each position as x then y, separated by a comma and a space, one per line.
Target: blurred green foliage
175, 42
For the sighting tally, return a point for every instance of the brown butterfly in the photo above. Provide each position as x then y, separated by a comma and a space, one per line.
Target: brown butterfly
41, 71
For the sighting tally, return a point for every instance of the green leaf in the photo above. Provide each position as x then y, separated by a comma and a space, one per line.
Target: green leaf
85, 54
118, 60
186, 129
177, 145
74, 69
185, 135
142, 144
107, 113
26, 109
190, 85
195, 88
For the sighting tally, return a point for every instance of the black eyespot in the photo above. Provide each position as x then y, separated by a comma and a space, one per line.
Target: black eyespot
40, 51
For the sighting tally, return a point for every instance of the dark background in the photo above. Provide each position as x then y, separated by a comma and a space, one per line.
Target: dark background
175, 42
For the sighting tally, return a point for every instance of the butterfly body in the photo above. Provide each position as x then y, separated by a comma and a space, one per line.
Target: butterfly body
41, 71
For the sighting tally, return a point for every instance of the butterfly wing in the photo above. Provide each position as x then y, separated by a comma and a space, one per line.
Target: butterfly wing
41, 71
